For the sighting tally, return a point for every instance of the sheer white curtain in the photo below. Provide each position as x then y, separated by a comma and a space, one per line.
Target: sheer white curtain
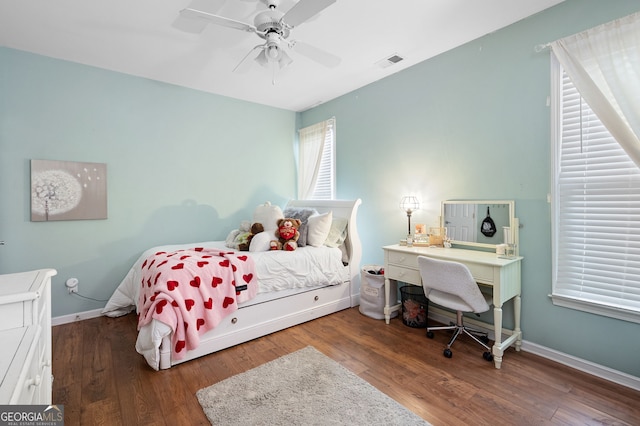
311, 146
604, 65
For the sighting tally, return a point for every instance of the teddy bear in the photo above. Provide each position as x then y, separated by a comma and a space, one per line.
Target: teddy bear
287, 234
256, 228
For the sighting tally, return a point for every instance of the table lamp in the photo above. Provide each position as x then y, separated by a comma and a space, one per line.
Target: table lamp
409, 204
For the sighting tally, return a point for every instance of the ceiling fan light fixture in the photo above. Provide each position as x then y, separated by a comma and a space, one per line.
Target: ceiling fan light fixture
273, 52
262, 59
284, 60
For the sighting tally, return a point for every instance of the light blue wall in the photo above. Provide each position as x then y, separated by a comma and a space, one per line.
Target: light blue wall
474, 123
182, 166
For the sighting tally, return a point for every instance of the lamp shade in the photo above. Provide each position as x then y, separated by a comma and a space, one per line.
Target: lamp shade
409, 204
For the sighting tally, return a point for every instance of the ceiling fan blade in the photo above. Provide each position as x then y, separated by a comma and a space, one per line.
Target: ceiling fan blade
320, 56
216, 19
197, 26
303, 10
244, 65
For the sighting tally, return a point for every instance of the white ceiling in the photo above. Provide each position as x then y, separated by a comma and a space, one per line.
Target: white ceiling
138, 37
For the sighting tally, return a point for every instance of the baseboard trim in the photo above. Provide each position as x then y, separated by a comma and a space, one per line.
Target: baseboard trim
66, 319
580, 364
443, 316
589, 367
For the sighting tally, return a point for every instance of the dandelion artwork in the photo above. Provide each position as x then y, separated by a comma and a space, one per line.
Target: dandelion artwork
67, 190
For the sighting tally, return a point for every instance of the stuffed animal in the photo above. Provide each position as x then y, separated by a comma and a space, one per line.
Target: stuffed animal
256, 228
287, 234
239, 235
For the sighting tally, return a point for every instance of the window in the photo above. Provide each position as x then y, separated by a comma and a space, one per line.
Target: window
596, 211
317, 161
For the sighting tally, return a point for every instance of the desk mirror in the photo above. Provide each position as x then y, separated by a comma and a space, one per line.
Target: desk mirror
478, 223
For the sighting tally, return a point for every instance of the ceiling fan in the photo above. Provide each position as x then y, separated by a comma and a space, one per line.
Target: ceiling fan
274, 27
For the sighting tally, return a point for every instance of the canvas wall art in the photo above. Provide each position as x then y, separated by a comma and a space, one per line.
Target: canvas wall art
68, 190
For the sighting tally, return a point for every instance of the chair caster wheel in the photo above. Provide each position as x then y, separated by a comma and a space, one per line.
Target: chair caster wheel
447, 353
487, 356
430, 334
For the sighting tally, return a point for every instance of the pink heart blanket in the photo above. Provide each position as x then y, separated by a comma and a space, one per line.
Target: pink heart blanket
193, 290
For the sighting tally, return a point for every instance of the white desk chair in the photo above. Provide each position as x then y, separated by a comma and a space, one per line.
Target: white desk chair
451, 285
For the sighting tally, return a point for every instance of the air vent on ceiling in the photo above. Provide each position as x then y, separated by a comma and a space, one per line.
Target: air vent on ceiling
391, 60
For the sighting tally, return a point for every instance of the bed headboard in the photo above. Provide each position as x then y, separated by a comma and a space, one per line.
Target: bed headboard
346, 209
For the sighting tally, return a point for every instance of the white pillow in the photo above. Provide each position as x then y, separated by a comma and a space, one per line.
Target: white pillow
319, 226
260, 241
267, 215
337, 233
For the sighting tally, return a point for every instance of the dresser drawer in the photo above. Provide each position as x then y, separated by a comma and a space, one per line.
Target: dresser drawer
405, 275
408, 260
19, 365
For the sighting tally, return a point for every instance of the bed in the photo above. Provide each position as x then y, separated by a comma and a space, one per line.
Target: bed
328, 281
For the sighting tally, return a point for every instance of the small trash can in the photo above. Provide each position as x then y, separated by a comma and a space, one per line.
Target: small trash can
415, 306
372, 292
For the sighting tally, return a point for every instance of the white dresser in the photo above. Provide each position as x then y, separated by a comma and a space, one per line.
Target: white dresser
25, 333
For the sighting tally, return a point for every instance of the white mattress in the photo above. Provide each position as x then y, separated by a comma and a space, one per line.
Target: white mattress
279, 273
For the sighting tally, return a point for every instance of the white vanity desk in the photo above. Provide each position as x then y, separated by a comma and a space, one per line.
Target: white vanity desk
502, 275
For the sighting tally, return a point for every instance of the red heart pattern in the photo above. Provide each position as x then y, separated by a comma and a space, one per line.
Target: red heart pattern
160, 306
195, 282
164, 290
208, 303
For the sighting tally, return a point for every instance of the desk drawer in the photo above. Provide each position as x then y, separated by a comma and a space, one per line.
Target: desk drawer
481, 273
404, 259
406, 275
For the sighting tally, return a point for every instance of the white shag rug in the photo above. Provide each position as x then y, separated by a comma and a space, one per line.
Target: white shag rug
302, 388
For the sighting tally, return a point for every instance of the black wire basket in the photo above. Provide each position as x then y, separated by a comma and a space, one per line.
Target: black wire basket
415, 306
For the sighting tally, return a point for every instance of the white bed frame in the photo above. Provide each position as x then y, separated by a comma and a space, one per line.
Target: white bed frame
258, 320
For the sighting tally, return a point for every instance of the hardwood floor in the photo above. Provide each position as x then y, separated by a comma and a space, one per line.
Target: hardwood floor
101, 380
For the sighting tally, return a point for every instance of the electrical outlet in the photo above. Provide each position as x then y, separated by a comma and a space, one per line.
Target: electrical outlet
72, 285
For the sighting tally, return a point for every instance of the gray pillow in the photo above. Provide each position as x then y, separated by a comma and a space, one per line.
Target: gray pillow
302, 213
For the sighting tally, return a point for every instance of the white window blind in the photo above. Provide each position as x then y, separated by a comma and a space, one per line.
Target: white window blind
317, 164
596, 204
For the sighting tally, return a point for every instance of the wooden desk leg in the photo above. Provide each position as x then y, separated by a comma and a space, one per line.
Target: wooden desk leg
387, 311
497, 346
517, 306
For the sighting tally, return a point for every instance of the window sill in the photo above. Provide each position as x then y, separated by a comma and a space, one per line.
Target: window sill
597, 309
